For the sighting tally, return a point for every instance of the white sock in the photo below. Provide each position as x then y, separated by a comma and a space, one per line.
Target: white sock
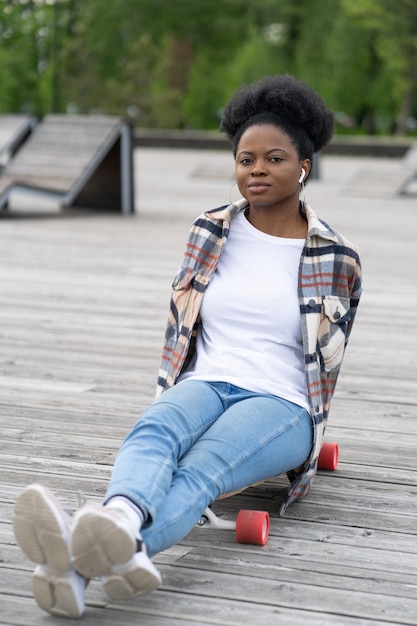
133, 513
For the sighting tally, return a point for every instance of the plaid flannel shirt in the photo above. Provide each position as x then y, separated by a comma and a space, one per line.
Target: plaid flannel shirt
329, 288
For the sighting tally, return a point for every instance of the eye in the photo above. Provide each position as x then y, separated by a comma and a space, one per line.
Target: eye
276, 159
245, 161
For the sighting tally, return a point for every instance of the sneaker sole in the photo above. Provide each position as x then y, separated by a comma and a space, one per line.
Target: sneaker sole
59, 593
132, 579
41, 529
42, 532
99, 542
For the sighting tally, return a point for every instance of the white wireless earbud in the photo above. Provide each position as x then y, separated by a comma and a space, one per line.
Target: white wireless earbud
303, 174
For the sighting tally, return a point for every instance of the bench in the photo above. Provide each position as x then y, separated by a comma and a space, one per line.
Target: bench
77, 160
14, 130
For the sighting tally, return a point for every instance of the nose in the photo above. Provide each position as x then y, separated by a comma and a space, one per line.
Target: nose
258, 169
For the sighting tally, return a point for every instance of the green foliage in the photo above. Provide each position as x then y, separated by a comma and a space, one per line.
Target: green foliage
19, 56
393, 24
174, 64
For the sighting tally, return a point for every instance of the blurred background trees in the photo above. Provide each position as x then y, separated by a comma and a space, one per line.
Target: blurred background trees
174, 64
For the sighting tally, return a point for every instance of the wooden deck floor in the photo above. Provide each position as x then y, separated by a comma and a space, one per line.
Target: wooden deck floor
83, 302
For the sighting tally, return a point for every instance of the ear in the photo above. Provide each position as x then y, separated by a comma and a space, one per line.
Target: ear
306, 165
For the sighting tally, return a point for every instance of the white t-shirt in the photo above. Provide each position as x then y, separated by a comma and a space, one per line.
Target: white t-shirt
250, 334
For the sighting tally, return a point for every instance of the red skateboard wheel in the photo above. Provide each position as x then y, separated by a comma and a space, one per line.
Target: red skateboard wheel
329, 456
252, 527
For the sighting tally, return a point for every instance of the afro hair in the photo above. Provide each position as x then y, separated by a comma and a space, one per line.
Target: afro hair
290, 104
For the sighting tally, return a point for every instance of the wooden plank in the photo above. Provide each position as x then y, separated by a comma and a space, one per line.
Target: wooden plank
176, 609
245, 564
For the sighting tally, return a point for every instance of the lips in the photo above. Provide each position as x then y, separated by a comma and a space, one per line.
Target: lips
258, 187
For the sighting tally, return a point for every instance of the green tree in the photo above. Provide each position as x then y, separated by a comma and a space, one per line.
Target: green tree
20, 56
32, 35
175, 64
181, 39
394, 25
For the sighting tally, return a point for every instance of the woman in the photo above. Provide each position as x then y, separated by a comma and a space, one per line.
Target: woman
260, 316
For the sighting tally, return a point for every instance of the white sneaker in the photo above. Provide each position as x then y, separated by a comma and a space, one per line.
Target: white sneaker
101, 537
42, 531
105, 543
134, 578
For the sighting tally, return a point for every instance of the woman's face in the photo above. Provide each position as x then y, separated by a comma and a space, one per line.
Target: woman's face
268, 167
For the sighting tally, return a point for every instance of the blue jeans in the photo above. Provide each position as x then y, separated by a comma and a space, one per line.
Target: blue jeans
200, 440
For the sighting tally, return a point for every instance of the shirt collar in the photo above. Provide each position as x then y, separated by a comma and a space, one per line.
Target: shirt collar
315, 225
228, 212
